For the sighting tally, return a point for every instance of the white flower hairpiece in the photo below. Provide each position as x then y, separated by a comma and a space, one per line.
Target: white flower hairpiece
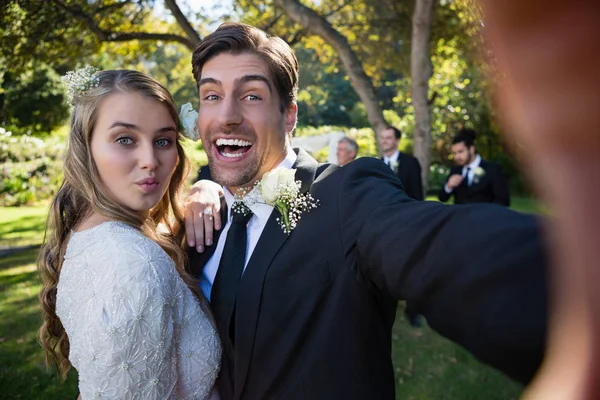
189, 122
80, 81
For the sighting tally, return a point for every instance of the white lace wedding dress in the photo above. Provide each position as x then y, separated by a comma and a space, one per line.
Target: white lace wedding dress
135, 329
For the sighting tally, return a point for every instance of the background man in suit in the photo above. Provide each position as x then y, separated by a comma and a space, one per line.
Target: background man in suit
308, 314
347, 148
473, 180
405, 166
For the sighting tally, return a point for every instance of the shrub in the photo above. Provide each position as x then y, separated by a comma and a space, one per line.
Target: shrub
31, 168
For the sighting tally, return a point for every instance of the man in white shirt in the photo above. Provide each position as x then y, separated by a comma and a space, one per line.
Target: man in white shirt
405, 166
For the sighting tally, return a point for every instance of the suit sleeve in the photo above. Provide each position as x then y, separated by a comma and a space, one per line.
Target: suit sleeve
416, 183
476, 272
444, 196
500, 188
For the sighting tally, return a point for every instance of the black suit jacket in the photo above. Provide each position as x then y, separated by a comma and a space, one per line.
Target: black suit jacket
204, 173
315, 308
409, 172
491, 187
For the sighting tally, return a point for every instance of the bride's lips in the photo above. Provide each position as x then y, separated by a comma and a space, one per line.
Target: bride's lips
232, 149
148, 185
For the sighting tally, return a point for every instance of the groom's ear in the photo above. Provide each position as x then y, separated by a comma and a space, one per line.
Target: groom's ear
291, 117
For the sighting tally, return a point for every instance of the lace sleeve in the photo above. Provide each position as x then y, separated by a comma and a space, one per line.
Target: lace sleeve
131, 351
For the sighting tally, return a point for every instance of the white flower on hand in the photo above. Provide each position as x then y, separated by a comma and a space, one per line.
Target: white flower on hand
189, 122
274, 182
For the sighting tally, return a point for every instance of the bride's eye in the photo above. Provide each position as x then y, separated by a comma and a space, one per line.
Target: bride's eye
125, 141
163, 142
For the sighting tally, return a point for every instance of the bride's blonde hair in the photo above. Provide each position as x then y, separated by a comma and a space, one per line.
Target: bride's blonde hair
82, 193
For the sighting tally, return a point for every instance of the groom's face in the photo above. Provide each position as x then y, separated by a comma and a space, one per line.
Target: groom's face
243, 129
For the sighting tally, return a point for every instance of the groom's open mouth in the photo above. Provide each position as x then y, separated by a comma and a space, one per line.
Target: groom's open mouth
233, 148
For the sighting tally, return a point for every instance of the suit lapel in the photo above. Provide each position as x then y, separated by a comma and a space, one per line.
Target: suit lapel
251, 285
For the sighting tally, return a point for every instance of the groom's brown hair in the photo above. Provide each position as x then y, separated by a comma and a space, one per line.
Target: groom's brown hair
237, 38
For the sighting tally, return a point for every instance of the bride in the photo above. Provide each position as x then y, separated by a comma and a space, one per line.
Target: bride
117, 303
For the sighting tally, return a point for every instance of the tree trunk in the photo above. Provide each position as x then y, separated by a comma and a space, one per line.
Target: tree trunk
317, 25
421, 70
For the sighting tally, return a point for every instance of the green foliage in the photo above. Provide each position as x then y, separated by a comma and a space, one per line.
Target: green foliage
62, 39
31, 101
437, 177
31, 168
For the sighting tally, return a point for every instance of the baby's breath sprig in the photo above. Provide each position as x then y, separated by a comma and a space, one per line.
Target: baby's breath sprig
277, 188
80, 81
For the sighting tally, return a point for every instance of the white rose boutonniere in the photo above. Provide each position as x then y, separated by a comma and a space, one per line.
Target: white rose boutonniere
278, 188
395, 165
275, 182
478, 174
189, 122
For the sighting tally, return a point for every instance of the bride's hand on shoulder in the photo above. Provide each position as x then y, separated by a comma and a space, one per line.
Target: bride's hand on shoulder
202, 213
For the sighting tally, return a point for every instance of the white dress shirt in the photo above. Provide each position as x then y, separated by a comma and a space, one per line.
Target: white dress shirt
256, 225
471, 174
391, 160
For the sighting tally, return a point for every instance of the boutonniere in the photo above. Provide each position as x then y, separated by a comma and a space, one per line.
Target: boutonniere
395, 165
478, 174
278, 188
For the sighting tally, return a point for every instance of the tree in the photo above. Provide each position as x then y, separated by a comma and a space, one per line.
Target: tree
31, 101
421, 71
316, 24
60, 32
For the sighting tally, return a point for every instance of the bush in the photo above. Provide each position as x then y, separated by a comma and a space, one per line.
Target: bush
437, 177
32, 102
31, 168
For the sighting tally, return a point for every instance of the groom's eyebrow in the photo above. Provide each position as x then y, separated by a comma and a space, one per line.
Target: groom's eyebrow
238, 81
205, 81
250, 78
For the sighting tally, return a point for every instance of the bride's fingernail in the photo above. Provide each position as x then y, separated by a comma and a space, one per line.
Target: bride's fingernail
200, 248
209, 242
191, 243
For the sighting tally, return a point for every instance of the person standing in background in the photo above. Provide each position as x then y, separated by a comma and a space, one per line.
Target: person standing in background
473, 180
405, 166
347, 148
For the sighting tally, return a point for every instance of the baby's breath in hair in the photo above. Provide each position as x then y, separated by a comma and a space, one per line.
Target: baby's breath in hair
79, 81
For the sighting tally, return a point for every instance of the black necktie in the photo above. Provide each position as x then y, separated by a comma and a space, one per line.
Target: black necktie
467, 176
229, 274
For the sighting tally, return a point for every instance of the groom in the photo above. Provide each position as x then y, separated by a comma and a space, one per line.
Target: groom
309, 315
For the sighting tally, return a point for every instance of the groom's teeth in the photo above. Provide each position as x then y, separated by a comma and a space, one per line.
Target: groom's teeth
231, 155
233, 142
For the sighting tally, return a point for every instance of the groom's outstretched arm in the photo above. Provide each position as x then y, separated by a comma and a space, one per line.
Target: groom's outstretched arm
477, 272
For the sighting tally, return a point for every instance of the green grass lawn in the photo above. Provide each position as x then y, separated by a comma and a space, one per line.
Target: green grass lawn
22, 371
521, 204
22, 226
